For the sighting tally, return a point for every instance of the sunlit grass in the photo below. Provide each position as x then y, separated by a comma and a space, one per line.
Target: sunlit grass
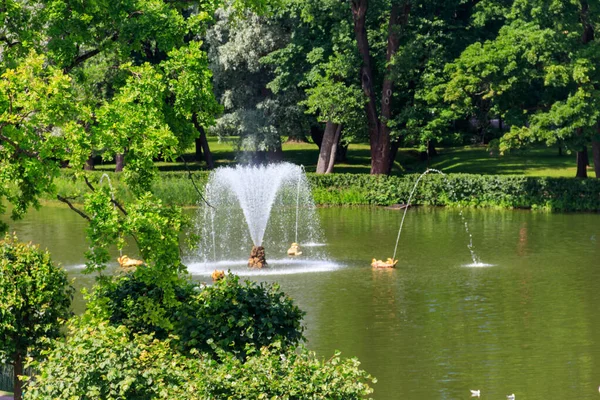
539, 161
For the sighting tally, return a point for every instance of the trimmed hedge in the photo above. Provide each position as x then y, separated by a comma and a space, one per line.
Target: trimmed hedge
505, 191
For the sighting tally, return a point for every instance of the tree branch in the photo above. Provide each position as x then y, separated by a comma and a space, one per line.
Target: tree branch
194, 182
72, 207
88, 183
18, 149
86, 56
116, 203
119, 206
9, 43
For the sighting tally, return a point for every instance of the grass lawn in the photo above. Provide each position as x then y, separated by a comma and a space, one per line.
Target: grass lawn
3, 393
538, 161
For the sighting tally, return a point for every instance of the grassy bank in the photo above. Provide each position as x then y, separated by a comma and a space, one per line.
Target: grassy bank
505, 191
536, 161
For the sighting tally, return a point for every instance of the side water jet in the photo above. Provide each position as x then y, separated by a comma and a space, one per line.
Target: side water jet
391, 262
267, 205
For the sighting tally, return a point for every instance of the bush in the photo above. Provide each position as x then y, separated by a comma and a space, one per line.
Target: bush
34, 296
231, 314
555, 194
506, 191
234, 314
107, 362
143, 307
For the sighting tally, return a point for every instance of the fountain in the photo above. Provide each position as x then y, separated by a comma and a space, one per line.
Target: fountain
391, 262
265, 206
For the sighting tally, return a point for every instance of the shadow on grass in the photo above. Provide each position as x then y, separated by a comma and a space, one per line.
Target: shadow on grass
479, 161
541, 161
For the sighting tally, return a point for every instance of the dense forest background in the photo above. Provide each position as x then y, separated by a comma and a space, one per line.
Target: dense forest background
391, 73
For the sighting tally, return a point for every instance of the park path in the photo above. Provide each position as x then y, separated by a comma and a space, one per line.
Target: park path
6, 397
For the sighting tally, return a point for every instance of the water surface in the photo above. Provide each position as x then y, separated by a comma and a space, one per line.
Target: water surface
434, 327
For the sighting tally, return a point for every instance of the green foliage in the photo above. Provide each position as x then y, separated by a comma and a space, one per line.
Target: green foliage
234, 314
320, 64
273, 374
252, 113
230, 314
35, 119
509, 191
141, 305
555, 194
117, 78
538, 74
34, 296
103, 362
100, 361
154, 226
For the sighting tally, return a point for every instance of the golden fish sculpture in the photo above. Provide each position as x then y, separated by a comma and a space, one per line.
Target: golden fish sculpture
294, 250
217, 275
129, 264
389, 263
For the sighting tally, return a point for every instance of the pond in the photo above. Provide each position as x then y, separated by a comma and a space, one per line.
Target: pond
434, 328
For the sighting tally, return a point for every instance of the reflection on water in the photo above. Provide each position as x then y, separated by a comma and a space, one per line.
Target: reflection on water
434, 328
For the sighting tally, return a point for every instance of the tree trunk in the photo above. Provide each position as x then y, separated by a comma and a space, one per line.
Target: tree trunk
379, 132
325, 153
596, 156
89, 164
431, 151
316, 134
336, 141
395, 146
198, 143
119, 162
582, 163
203, 142
359, 13
341, 155
18, 370
588, 36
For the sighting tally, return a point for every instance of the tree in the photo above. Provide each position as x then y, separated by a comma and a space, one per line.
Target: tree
252, 111
319, 65
100, 41
116, 77
538, 74
34, 296
377, 119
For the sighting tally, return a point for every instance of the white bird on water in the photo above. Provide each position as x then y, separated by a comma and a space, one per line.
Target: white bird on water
511, 397
475, 393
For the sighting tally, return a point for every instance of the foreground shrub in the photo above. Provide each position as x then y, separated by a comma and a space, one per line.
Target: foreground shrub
230, 313
34, 296
108, 362
234, 314
142, 306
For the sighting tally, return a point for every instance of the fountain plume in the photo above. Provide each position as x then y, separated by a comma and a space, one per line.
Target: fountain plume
268, 205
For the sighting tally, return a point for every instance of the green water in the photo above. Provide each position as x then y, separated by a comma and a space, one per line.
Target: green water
435, 328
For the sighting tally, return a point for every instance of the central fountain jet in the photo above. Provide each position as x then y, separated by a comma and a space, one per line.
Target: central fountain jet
256, 189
